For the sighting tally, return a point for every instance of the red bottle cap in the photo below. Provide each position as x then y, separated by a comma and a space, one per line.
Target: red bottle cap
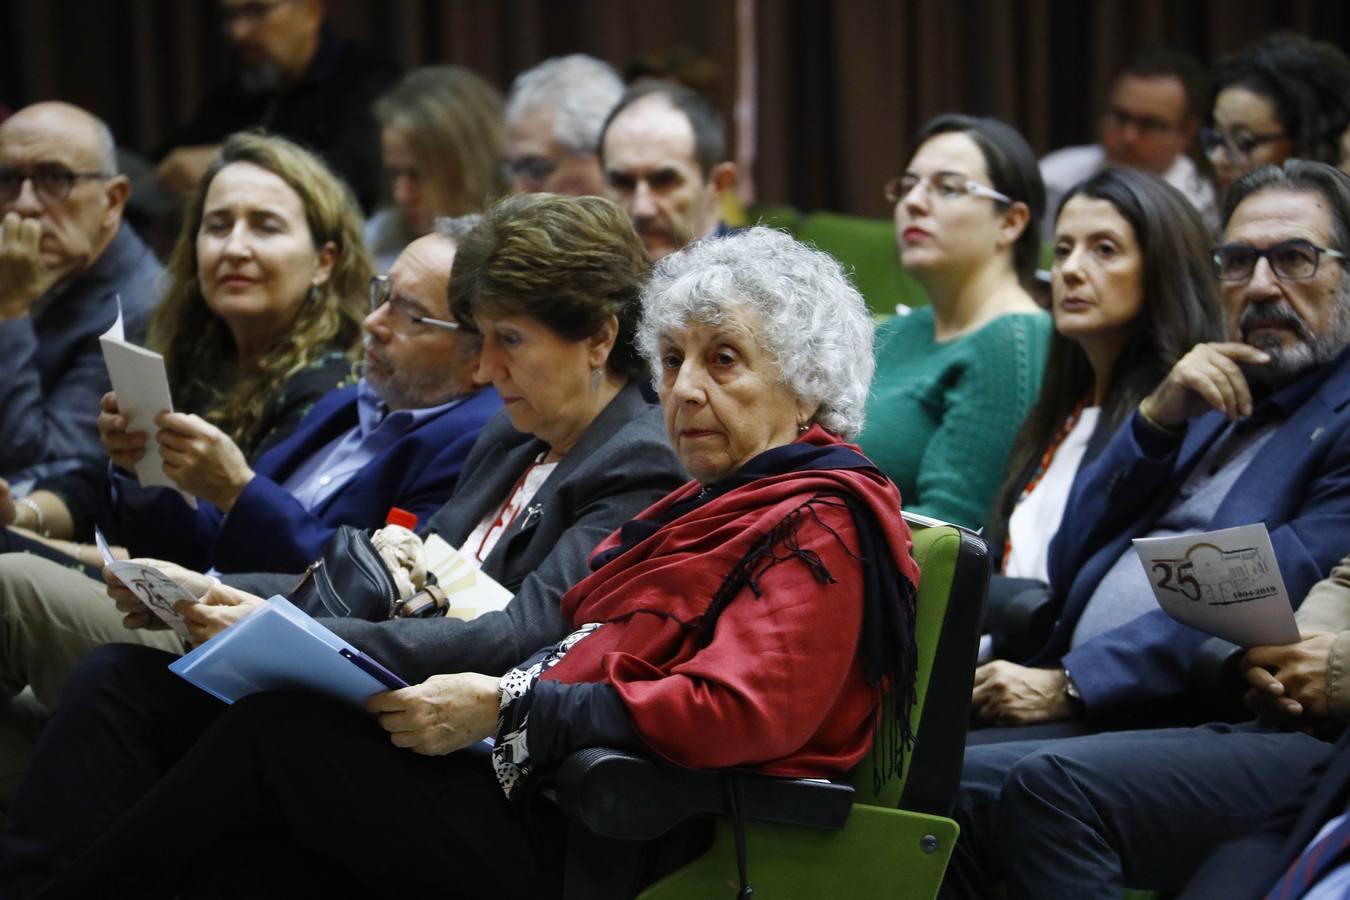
401, 517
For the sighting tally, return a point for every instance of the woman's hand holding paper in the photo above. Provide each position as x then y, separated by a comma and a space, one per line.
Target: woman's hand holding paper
125, 448
443, 714
201, 459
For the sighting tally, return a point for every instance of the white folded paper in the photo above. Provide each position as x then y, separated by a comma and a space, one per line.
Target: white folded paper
142, 387
470, 592
1226, 583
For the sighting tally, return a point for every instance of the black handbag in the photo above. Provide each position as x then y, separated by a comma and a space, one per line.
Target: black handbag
351, 581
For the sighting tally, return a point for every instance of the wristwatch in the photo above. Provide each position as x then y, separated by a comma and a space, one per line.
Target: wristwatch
1071, 692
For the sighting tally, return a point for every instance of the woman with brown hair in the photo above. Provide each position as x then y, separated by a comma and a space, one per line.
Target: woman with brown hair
443, 142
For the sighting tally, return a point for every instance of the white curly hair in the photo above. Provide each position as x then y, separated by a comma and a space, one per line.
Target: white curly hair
813, 321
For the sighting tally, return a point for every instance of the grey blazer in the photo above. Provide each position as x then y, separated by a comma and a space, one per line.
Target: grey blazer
620, 466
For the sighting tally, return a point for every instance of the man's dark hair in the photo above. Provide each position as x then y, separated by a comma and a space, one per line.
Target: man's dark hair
710, 135
1164, 63
1299, 175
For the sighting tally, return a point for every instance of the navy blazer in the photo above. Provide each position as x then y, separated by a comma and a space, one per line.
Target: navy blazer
1298, 484
268, 529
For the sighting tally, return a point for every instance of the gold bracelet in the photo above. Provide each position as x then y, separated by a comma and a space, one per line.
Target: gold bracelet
37, 514
1156, 425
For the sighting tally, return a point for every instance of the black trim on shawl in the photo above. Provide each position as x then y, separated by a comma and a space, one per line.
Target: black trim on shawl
887, 641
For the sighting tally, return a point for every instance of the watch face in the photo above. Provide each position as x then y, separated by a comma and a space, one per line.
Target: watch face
1071, 689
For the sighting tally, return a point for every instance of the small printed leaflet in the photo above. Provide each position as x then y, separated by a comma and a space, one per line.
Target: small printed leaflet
152, 587
1226, 583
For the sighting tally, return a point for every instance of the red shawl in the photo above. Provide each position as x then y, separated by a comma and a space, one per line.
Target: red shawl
781, 685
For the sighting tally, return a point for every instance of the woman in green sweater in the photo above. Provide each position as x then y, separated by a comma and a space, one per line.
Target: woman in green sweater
955, 379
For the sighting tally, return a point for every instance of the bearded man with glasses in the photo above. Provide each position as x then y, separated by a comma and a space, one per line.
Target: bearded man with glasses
1256, 429
65, 258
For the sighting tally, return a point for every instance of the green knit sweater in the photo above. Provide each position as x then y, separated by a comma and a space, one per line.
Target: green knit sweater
941, 417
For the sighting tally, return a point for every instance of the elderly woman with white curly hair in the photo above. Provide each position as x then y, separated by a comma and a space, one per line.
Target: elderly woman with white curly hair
756, 617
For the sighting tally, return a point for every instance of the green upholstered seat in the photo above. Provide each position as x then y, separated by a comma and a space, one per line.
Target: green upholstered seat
895, 841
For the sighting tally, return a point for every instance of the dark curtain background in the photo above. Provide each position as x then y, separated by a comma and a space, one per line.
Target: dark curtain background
841, 84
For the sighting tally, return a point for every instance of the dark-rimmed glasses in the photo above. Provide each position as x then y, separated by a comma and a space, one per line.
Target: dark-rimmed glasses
52, 182
942, 185
400, 310
1146, 125
252, 12
1294, 260
1235, 146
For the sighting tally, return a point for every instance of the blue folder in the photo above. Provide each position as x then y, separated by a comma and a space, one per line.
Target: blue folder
280, 648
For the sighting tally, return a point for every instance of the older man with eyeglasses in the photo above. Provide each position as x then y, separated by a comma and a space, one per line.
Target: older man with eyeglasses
65, 258
397, 438
1256, 429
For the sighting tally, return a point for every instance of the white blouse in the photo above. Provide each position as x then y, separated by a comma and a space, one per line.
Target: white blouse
1036, 517
482, 539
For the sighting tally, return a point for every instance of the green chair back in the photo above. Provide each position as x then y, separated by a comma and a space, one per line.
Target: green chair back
865, 247
882, 851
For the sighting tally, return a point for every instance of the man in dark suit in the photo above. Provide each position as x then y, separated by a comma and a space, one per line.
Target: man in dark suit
1249, 431
399, 438
1087, 817
66, 257
1237, 433
296, 77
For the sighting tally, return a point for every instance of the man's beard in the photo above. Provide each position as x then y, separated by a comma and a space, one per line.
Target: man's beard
405, 390
260, 78
1288, 363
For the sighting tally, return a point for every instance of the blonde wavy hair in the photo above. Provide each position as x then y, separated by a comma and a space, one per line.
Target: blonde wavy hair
199, 351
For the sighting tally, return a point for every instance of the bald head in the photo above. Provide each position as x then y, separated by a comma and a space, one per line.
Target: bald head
58, 168
90, 134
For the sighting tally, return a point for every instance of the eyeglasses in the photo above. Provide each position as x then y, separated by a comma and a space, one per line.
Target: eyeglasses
530, 170
942, 185
52, 182
400, 310
1290, 260
1235, 146
251, 13
1145, 125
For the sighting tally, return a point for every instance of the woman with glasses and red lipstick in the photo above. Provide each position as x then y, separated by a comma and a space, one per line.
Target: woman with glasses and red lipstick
955, 379
1284, 96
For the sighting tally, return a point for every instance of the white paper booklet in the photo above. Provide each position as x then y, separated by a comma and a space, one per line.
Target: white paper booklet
142, 387
1226, 583
470, 592
152, 587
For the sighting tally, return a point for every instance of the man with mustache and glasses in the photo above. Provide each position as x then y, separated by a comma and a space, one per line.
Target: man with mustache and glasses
1254, 430
663, 151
